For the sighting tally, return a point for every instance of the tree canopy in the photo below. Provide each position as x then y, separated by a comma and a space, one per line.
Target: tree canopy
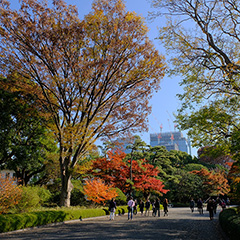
202, 39
96, 75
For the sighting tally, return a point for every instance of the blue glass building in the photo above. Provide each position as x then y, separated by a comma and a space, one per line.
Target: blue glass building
171, 140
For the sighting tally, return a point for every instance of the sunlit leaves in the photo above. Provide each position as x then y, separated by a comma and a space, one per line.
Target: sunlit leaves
214, 182
202, 38
114, 170
10, 193
97, 191
96, 74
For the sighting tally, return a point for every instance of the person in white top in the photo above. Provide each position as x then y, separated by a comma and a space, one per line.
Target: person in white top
131, 204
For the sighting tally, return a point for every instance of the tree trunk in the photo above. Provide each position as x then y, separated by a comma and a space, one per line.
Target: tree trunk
66, 189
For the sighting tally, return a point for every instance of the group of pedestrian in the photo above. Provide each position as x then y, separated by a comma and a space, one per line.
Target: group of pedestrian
211, 205
147, 205
132, 207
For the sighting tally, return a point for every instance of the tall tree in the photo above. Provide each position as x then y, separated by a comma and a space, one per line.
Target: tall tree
96, 74
204, 37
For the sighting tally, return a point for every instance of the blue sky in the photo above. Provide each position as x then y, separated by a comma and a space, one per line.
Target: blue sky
164, 103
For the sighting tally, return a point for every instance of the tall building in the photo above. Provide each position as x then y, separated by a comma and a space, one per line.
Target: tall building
171, 140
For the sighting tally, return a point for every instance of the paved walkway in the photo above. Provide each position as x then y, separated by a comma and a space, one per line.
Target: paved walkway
180, 224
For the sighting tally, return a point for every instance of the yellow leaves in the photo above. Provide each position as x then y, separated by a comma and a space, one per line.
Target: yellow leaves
83, 168
236, 180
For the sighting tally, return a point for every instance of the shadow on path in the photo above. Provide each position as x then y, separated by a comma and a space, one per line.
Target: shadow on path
180, 224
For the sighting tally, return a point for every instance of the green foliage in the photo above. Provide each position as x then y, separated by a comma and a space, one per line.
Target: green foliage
138, 149
121, 199
77, 197
43, 194
11, 222
230, 222
25, 140
32, 197
194, 166
189, 185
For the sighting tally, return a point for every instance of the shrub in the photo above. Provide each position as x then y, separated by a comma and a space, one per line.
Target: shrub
29, 199
11, 222
10, 194
43, 194
230, 222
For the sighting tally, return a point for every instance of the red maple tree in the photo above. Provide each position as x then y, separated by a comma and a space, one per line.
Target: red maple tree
114, 170
145, 177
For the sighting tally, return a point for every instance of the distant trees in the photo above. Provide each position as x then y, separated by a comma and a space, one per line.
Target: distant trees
96, 75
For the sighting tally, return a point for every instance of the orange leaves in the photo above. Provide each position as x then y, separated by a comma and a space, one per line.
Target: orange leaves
10, 193
97, 191
115, 171
214, 181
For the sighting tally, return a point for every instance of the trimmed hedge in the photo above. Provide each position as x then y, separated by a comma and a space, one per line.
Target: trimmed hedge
230, 222
11, 222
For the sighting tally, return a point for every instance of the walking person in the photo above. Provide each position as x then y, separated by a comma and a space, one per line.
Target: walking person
131, 204
112, 208
210, 208
223, 204
214, 206
147, 206
141, 206
200, 206
153, 209
165, 207
157, 207
135, 207
192, 204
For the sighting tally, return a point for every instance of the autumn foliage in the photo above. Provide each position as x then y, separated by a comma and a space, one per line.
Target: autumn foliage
145, 177
114, 170
10, 193
234, 176
96, 75
214, 182
97, 191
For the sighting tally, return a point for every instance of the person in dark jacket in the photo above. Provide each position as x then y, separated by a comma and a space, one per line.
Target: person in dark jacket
112, 208
200, 206
210, 208
141, 206
165, 207
157, 207
147, 206
192, 205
